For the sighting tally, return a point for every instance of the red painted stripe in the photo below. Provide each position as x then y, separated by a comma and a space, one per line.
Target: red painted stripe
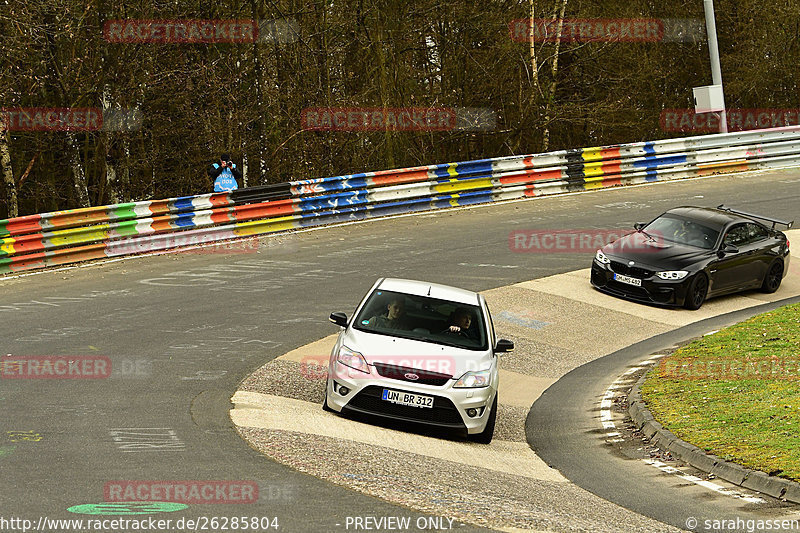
22, 225
79, 217
221, 216
220, 199
611, 168
161, 224
27, 262
610, 153
264, 210
531, 175
28, 243
159, 207
393, 178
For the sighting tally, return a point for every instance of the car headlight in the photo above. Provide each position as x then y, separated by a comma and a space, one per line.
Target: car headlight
474, 380
601, 258
352, 359
672, 274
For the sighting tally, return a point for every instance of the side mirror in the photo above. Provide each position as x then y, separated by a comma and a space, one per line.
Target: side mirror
639, 226
504, 345
727, 249
340, 319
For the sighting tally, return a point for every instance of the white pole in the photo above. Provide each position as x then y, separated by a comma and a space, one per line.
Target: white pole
713, 51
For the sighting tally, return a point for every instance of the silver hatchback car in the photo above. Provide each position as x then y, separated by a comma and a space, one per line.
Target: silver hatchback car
418, 352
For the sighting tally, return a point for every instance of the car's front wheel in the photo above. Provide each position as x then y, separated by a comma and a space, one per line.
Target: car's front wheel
485, 436
773, 278
696, 295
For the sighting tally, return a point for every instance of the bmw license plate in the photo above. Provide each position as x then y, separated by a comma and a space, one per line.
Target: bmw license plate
629, 280
407, 398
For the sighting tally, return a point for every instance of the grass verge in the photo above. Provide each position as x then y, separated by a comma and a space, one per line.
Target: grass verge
736, 393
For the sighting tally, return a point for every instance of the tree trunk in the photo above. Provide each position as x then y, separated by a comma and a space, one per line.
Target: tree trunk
8, 173
383, 41
110, 161
553, 73
531, 41
261, 112
78, 175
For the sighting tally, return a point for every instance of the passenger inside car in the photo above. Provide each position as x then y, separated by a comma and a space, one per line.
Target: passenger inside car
394, 318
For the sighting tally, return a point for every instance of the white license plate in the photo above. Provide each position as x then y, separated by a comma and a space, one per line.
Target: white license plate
407, 398
629, 280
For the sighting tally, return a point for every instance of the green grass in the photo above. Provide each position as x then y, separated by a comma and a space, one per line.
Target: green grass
736, 393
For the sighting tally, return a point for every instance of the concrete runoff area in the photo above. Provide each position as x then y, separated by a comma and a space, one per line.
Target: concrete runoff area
560, 314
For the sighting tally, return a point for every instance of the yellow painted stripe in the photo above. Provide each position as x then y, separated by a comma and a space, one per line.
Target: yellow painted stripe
592, 154
452, 170
593, 169
8, 246
591, 185
257, 227
66, 237
453, 186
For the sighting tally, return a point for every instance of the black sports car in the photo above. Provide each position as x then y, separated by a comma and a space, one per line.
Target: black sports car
689, 254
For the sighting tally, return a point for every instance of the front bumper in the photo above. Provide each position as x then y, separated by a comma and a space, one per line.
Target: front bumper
653, 290
449, 409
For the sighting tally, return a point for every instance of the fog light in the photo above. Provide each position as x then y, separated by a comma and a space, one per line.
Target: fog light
344, 391
471, 412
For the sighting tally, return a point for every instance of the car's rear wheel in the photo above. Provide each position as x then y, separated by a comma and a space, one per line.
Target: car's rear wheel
773, 278
696, 295
485, 436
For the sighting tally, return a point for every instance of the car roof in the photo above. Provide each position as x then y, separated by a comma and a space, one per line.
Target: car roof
715, 217
432, 290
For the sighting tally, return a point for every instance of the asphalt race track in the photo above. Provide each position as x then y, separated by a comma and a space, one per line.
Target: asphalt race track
182, 331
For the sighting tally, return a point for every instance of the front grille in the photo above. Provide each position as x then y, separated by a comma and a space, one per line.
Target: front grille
628, 290
443, 412
426, 377
636, 272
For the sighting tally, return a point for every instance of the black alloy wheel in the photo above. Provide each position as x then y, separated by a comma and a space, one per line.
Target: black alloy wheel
696, 295
773, 278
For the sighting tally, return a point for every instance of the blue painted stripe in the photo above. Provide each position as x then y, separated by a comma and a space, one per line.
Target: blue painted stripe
654, 162
333, 200
652, 175
184, 220
649, 148
481, 166
184, 203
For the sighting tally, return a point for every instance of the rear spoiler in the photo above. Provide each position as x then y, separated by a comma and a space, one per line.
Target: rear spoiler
759, 217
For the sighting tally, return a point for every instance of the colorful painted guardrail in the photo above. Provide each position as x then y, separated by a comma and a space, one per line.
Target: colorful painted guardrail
49, 239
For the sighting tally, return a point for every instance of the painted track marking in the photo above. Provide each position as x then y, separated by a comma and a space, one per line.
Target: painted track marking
613, 436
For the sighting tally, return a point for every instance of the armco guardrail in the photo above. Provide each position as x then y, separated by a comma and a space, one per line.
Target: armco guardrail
50, 239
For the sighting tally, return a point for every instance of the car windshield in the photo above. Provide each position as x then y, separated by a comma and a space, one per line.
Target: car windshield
682, 230
423, 318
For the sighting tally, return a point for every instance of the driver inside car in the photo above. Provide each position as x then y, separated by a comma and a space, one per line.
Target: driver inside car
460, 321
